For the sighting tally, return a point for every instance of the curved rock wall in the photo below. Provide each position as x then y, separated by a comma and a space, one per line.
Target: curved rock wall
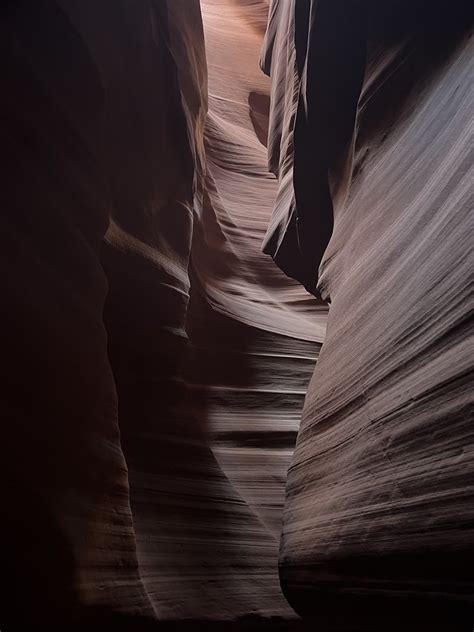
90, 141
166, 500
377, 528
208, 432
67, 536
156, 361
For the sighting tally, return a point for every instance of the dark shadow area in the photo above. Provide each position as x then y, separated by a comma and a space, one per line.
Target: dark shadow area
36, 562
259, 112
99, 622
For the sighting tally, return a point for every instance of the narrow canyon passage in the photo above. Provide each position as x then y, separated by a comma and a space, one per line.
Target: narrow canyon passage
237, 385
208, 474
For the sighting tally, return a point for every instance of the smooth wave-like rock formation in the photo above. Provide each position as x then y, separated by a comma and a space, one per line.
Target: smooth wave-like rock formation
145, 474
156, 361
90, 142
377, 530
208, 436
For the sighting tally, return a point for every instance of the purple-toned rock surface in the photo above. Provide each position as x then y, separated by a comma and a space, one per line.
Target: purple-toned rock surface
379, 509
156, 361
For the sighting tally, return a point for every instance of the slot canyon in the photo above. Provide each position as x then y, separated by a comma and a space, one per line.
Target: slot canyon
237, 360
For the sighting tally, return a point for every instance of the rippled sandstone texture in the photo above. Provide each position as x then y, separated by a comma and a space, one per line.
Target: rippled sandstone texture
92, 147
208, 435
104, 189
156, 362
378, 518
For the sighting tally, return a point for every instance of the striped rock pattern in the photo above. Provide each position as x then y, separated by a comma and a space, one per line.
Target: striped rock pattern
379, 509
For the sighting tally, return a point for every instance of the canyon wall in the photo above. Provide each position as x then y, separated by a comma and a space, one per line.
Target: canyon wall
92, 147
377, 530
156, 361
209, 417
146, 445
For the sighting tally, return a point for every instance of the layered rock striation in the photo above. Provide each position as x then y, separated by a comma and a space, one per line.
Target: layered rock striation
144, 473
156, 362
377, 529
94, 148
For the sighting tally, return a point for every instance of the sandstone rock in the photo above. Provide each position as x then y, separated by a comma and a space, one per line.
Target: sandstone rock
156, 361
88, 137
378, 515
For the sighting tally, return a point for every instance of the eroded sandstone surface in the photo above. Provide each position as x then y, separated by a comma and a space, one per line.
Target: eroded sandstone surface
156, 361
379, 497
